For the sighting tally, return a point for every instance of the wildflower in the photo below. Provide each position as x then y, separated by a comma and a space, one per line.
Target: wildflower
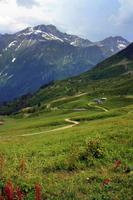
1, 198
19, 194
106, 182
9, 190
117, 164
38, 192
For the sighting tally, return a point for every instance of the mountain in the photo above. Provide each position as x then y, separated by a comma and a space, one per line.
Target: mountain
50, 32
112, 45
4, 41
40, 55
114, 76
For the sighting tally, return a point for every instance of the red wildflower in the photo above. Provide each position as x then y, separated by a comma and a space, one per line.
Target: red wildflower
19, 194
105, 182
1, 198
117, 164
9, 190
38, 192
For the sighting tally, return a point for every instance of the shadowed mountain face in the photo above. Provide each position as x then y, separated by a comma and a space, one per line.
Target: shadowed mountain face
37, 56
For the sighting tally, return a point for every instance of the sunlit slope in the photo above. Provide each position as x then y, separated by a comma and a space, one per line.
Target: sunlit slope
72, 163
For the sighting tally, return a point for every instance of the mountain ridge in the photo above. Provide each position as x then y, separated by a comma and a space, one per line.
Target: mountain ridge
109, 77
39, 55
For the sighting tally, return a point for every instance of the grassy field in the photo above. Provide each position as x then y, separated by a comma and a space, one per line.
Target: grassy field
89, 161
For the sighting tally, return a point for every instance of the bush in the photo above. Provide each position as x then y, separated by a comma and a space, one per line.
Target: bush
94, 148
86, 155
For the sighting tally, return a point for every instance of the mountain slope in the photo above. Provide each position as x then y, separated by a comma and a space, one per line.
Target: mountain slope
120, 64
113, 76
40, 55
40, 64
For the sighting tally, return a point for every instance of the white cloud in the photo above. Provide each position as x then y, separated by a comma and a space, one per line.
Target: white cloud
65, 14
124, 16
92, 19
14, 17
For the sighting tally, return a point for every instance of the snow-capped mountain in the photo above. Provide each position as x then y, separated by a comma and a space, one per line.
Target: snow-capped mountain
112, 45
39, 55
50, 32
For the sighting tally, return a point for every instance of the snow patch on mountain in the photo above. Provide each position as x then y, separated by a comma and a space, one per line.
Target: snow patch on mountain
49, 36
13, 60
43, 34
121, 46
9, 77
112, 49
121, 41
19, 46
12, 44
74, 43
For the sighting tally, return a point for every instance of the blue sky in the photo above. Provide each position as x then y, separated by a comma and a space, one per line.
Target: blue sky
92, 19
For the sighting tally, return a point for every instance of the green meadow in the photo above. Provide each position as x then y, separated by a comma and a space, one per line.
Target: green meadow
88, 160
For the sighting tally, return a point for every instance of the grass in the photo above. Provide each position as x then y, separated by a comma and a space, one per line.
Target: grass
64, 162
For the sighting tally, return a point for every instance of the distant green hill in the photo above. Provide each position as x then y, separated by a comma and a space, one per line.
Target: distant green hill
113, 76
117, 65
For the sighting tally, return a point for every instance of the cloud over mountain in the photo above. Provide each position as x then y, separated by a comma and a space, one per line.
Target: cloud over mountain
91, 19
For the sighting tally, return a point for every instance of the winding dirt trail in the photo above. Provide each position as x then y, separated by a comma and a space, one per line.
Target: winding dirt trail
102, 108
65, 98
99, 107
73, 123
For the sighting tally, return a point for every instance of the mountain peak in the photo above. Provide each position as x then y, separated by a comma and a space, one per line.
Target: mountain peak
114, 43
114, 38
46, 28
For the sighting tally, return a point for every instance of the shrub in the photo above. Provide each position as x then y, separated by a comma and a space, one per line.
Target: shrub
94, 148
86, 155
92, 151
26, 187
